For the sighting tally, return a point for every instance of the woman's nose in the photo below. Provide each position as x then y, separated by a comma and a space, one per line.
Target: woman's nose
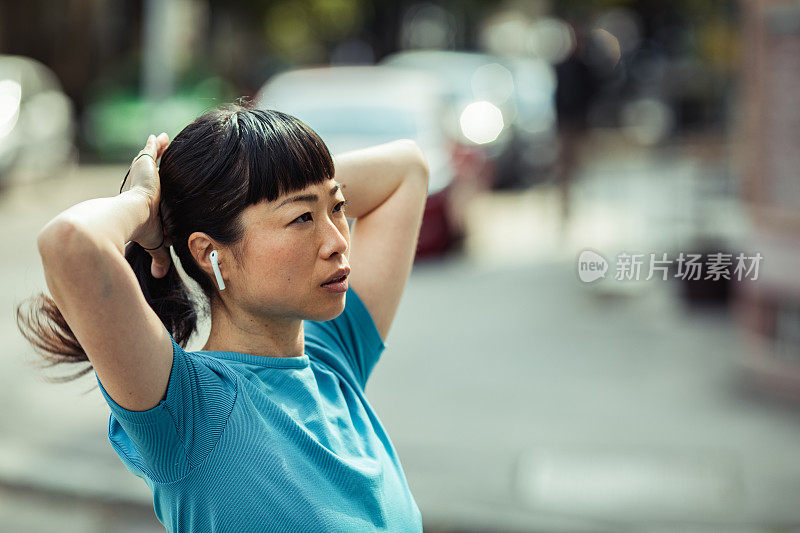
335, 239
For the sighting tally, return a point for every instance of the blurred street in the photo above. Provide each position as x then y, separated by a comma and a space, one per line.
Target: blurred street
515, 394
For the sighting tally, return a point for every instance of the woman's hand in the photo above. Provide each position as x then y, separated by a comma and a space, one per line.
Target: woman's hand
144, 179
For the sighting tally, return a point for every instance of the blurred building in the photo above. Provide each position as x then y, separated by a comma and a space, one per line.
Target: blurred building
770, 309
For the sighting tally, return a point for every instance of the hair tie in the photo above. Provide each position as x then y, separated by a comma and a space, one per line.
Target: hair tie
159, 246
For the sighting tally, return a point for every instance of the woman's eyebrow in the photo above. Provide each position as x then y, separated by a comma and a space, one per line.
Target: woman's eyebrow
308, 197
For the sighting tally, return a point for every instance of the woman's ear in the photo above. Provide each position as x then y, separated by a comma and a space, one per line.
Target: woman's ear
201, 246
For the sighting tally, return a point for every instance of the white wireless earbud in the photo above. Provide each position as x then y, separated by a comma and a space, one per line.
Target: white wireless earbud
217, 273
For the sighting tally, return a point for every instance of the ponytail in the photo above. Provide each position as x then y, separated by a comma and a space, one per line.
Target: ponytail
168, 296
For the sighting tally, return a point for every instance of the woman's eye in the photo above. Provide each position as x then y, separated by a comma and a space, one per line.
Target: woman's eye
300, 218
306, 217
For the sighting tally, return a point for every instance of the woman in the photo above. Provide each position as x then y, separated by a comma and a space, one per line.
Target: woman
266, 428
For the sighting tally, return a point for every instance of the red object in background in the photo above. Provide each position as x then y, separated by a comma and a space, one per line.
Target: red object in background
472, 164
436, 235
444, 223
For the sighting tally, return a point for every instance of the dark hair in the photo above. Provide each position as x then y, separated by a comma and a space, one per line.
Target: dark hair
226, 160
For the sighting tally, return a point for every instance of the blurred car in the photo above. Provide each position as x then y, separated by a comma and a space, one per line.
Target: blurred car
37, 127
360, 106
505, 106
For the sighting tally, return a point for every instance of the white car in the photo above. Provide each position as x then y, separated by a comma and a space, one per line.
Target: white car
356, 107
37, 126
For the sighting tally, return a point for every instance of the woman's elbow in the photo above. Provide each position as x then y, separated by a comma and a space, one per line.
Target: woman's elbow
416, 160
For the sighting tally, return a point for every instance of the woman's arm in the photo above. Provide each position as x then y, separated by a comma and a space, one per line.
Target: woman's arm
371, 175
386, 187
131, 215
117, 219
99, 296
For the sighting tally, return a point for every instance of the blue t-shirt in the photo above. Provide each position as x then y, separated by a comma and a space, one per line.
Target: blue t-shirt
251, 443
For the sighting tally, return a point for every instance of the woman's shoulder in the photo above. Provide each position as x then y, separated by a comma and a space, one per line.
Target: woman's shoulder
350, 342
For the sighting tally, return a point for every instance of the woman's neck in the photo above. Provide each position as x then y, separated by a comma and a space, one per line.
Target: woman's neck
270, 338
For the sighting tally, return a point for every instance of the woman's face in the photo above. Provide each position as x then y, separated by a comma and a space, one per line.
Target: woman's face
293, 245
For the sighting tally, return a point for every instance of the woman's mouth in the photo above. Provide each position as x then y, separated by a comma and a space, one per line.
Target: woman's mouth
337, 285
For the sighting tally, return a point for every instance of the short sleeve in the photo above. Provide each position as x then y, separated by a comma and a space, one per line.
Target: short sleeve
167, 441
350, 343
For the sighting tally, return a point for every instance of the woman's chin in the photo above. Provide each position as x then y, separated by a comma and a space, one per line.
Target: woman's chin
330, 310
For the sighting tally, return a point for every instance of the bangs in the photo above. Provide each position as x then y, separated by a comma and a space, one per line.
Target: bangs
280, 154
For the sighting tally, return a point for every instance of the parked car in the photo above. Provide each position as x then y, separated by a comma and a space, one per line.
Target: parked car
37, 126
360, 106
504, 106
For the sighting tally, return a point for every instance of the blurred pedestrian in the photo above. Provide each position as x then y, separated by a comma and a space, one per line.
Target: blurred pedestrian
576, 89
